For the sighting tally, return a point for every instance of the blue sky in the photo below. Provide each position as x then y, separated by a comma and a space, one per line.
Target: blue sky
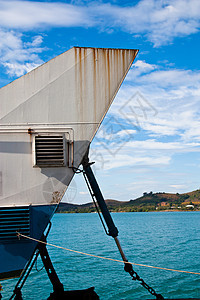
150, 139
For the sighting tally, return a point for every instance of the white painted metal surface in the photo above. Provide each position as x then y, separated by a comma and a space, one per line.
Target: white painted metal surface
68, 95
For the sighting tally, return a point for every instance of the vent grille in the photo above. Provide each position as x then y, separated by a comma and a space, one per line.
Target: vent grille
49, 151
12, 220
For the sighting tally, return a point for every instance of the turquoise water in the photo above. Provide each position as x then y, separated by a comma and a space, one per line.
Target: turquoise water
165, 239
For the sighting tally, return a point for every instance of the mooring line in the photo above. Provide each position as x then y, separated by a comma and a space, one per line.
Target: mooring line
101, 257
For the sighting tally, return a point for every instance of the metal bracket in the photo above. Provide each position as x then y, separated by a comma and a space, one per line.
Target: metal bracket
57, 285
42, 250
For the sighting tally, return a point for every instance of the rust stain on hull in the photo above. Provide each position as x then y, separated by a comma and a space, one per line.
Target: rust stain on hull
99, 74
56, 197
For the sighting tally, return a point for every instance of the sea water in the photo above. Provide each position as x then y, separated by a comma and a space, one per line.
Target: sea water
162, 239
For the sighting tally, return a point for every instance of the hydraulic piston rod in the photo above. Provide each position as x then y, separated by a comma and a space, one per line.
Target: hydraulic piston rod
112, 229
96, 192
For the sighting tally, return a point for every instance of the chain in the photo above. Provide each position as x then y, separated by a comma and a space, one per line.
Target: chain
128, 268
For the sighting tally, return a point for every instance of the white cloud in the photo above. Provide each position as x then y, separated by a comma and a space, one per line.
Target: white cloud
144, 66
112, 132
177, 186
166, 113
150, 144
17, 69
193, 132
134, 153
37, 41
17, 56
163, 102
125, 133
31, 14
128, 160
160, 21
170, 78
83, 193
140, 67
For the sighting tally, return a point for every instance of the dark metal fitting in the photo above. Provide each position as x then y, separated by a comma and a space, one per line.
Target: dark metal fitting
159, 297
128, 267
18, 294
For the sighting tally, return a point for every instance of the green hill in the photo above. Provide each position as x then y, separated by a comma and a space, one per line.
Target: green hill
148, 202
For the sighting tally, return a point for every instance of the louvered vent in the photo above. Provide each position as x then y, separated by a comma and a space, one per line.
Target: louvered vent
49, 151
12, 220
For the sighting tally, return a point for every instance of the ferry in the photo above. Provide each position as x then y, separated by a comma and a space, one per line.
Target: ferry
48, 119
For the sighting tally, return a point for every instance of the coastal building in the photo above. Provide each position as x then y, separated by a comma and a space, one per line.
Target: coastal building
190, 206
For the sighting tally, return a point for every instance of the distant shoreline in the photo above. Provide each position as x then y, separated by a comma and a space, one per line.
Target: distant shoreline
114, 212
148, 202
